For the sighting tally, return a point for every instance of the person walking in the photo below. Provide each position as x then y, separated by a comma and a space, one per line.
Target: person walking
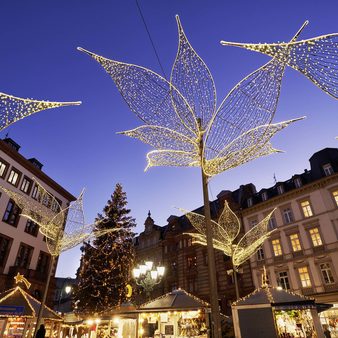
41, 333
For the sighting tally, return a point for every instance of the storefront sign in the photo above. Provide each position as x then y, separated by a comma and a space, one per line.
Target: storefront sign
11, 310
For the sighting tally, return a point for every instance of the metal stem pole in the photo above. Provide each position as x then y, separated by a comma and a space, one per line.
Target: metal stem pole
215, 313
236, 282
43, 301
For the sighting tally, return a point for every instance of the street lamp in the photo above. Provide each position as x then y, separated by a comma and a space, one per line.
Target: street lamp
147, 276
67, 289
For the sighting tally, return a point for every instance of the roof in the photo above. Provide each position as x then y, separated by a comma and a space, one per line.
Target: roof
274, 297
21, 304
175, 300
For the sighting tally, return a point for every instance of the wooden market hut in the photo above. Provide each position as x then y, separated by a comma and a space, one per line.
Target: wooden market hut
177, 313
270, 312
18, 313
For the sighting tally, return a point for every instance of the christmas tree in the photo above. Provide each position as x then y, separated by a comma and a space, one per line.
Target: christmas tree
106, 263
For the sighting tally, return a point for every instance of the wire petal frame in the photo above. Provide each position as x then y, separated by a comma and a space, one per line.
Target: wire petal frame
14, 108
181, 120
225, 234
62, 228
315, 58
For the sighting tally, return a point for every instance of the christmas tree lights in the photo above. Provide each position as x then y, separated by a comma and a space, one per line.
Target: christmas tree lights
14, 108
316, 58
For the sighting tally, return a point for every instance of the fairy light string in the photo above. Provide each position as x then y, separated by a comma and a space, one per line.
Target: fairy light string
14, 108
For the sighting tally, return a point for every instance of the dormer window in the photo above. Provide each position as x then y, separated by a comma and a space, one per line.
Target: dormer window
280, 189
264, 196
328, 170
249, 202
298, 183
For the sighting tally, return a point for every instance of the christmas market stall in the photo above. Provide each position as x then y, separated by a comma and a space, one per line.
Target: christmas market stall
270, 312
175, 314
18, 312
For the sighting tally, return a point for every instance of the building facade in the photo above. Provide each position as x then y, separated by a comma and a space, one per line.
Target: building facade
22, 247
187, 263
301, 255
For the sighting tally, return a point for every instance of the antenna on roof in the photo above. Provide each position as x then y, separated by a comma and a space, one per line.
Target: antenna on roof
274, 178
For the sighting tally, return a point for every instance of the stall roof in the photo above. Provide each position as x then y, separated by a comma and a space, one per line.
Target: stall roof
273, 296
17, 302
175, 300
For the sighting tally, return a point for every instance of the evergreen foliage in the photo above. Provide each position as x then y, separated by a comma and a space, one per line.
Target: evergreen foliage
107, 262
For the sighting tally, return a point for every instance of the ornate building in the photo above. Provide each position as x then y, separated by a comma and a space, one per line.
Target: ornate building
22, 246
187, 264
302, 254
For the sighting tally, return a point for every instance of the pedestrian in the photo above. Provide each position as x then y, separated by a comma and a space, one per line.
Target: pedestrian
41, 333
327, 332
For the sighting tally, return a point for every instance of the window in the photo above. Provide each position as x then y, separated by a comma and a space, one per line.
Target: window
26, 185
283, 280
304, 277
295, 242
189, 242
298, 182
328, 170
280, 189
326, 273
43, 262
32, 228
249, 202
14, 177
36, 193
56, 204
3, 168
277, 249
272, 222
306, 207
315, 237
46, 200
12, 213
253, 222
5, 243
288, 215
264, 196
260, 254
192, 262
335, 196
24, 256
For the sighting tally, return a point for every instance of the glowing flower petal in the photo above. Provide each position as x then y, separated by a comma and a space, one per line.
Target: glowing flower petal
251, 241
150, 96
225, 232
162, 138
316, 58
64, 229
173, 158
191, 75
14, 108
247, 147
252, 102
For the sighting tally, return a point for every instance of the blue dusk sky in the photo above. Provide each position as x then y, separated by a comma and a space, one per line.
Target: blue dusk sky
79, 146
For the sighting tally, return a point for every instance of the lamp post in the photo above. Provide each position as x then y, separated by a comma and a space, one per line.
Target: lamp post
67, 291
147, 276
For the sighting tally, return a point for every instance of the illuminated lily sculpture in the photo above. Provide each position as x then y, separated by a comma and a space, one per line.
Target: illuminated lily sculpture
183, 124
14, 108
63, 228
225, 234
316, 58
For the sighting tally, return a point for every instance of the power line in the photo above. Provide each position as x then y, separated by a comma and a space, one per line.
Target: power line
151, 40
